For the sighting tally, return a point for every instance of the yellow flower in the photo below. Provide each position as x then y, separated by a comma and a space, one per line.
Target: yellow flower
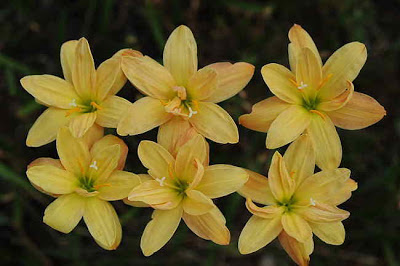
183, 187
299, 203
178, 89
313, 98
83, 180
85, 98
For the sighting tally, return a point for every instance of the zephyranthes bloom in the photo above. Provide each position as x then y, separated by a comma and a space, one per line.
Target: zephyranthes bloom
86, 96
83, 180
313, 98
298, 203
178, 89
183, 187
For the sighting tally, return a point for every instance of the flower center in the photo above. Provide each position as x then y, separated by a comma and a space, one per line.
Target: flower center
84, 107
181, 104
287, 204
87, 184
310, 103
180, 186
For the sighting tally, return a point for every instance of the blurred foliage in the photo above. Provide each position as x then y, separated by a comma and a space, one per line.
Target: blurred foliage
31, 33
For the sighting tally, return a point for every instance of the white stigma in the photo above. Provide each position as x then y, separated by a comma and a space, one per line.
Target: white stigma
73, 103
312, 202
191, 112
94, 165
302, 85
161, 181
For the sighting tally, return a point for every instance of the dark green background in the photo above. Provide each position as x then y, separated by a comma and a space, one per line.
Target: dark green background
31, 33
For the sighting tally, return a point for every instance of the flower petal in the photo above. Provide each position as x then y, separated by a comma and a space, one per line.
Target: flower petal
67, 56
119, 184
330, 233
142, 116
149, 77
339, 101
107, 141
308, 72
52, 179
257, 233
287, 126
282, 185
74, 153
361, 111
103, 223
232, 78
202, 84
257, 189
209, 226
50, 90
296, 227
93, 134
180, 54
281, 82
103, 163
220, 180
328, 149
64, 213
215, 123
267, 212
45, 128
159, 230
344, 65
81, 123
296, 250
196, 203
324, 213
112, 109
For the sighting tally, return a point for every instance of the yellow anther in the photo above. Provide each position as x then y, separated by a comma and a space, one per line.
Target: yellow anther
96, 187
294, 82
324, 81
318, 113
73, 110
95, 105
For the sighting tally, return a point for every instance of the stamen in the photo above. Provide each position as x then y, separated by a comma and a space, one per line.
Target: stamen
94, 165
292, 174
96, 187
73, 103
171, 170
191, 112
161, 181
73, 110
324, 81
318, 113
294, 82
312, 202
95, 105
302, 85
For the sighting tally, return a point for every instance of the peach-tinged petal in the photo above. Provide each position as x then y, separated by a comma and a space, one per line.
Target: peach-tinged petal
287, 126
263, 114
103, 163
281, 183
296, 250
198, 176
215, 123
67, 56
324, 213
361, 111
339, 101
45, 128
64, 213
326, 141
202, 84
196, 203
74, 153
281, 82
209, 226
180, 54
142, 116
308, 72
257, 233
106, 76
140, 204
232, 78
155, 158
267, 212
296, 227
84, 72
149, 77
108, 141
52, 179
112, 110
50, 90
220, 180
344, 65
330, 233
257, 189
159, 230
93, 134
299, 39
81, 123
300, 159
103, 223
118, 185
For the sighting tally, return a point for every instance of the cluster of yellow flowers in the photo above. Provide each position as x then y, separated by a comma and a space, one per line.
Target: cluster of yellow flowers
181, 99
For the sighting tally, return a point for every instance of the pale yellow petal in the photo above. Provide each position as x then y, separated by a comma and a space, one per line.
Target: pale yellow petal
263, 114
295, 226
46, 127
220, 180
64, 213
257, 233
103, 163
159, 230
324, 213
93, 134
118, 185
326, 141
296, 250
74, 153
107, 141
196, 203
344, 65
267, 212
149, 77
67, 57
232, 78
52, 179
103, 223
281, 82
308, 72
214, 123
209, 226
180, 54
360, 111
202, 84
282, 185
142, 116
257, 189
140, 204
330, 233
81, 123
343, 193
50, 90
287, 126
112, 110
46, 161
292, 53
339, 101
106, 76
